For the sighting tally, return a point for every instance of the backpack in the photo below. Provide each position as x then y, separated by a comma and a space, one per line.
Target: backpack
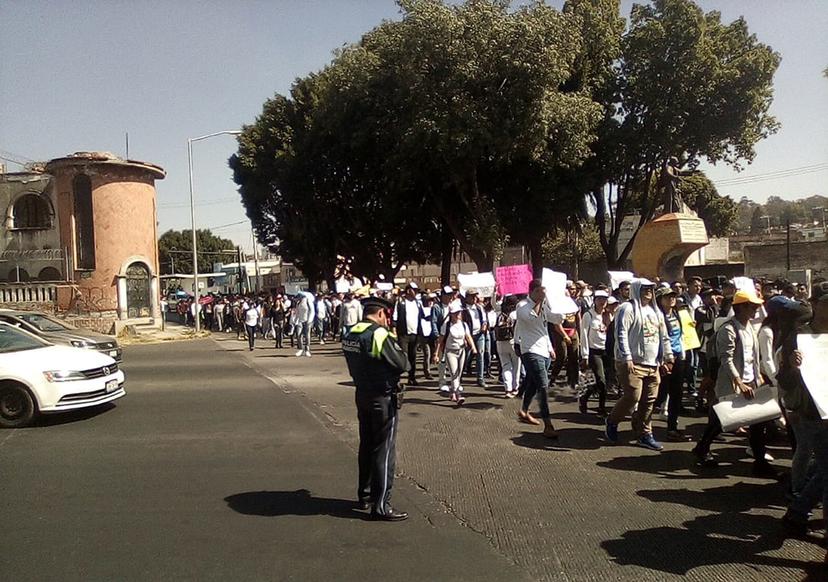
505, 329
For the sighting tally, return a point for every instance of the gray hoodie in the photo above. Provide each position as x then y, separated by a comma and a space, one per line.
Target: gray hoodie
641, 340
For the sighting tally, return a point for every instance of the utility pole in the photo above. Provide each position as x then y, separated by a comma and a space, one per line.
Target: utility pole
256, 262
788, 243
238, 271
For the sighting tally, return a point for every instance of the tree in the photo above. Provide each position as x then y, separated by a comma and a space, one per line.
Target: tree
757, 220
718, 212
688, 86
566, 249
175, 251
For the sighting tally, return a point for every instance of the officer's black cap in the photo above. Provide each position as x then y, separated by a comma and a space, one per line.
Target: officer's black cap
377, 302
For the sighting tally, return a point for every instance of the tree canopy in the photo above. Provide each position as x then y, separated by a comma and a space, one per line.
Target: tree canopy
486, 123
175, 251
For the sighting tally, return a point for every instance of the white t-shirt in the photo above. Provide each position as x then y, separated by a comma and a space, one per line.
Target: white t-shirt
651, 330
251, 316
426, 323
534, 334
456, 338
321, 309
351, 312
474, 314
491, 316
412, 316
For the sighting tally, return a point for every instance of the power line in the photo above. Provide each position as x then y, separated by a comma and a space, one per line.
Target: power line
205, 203
772, 175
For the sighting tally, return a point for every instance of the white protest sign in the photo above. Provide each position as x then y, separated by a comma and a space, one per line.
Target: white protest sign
744, 284
483, 283
618, 277
735, 410
814, 348
555, 284
384, 286
342, 285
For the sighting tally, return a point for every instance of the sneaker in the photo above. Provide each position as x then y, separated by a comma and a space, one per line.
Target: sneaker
444, 388
322, 342
482, 384
611, 432
300, 353
460, 400
648, 442
768, 456
307, 354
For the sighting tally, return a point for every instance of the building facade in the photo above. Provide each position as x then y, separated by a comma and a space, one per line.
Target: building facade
85, 227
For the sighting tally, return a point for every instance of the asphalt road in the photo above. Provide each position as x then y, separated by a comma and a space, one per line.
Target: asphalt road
207, 470
578, 509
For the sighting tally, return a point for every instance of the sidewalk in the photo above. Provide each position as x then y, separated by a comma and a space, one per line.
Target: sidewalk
577, 509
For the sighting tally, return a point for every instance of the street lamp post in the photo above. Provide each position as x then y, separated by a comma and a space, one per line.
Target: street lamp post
192, 215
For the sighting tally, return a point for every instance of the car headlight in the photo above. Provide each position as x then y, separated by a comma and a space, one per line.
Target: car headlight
82, 344
63, 375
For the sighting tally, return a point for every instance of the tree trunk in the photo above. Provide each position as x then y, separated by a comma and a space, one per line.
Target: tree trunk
536, 256
446, 252
575, 257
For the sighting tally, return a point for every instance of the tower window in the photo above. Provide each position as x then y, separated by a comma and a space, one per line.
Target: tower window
84, 223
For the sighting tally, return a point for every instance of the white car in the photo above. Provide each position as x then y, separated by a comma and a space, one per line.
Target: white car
37, 377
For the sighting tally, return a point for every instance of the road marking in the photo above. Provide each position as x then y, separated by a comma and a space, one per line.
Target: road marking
10, 435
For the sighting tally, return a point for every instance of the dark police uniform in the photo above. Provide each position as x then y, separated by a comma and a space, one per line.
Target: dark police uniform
375, 362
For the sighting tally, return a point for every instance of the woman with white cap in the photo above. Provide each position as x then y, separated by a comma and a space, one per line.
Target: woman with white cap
455, 338
594, 324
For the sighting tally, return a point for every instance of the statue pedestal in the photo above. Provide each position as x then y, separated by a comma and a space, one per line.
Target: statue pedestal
664, 244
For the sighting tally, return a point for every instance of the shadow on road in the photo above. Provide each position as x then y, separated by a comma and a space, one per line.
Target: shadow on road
725, 538
569, 439
299, 502
73, 415
676, 464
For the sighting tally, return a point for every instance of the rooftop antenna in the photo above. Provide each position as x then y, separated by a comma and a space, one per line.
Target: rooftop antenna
127, 145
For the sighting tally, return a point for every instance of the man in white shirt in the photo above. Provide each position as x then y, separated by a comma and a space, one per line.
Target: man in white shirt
594, 324
536, 353
251, 321
408, 316
351, 313
304, 315
475, 318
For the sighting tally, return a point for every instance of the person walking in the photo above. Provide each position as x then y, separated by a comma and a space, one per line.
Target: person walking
504, 333
475, 317
408, 317
251, 321
376, 361
439, 315
304, 315
455, 339
737, 352
536, 353
641, 346
277, 317
670, 388
594, 324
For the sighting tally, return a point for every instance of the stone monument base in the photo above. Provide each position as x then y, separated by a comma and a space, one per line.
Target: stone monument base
664, 244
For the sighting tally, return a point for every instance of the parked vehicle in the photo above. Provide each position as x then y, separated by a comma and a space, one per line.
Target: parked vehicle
37, 377
57, 331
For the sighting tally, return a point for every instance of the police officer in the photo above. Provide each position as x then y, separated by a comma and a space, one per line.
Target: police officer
376, 362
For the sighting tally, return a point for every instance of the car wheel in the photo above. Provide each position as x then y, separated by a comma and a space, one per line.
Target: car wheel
17, 408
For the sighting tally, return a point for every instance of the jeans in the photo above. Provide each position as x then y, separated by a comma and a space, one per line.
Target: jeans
455, 361
428, 347
566, 354
537, 382
408, 343
671, 386
480, 342
251, 335
814, 490
303, 333
598, 364
278, 332
639, 387
757, 436
509, 365
805, 431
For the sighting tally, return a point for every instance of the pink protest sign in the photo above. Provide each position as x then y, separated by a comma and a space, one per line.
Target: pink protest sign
513, 280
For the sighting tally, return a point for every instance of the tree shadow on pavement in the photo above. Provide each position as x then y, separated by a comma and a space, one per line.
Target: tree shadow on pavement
299, 502
569, 439
725, 538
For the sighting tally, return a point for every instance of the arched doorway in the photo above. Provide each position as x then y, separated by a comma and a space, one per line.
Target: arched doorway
138, 291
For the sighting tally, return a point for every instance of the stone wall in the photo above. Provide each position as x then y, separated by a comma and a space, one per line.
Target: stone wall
770, 259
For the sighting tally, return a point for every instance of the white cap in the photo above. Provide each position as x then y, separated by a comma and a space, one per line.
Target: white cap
601, 293
413, 285
448, 290
612, 301
645, 282
454, 308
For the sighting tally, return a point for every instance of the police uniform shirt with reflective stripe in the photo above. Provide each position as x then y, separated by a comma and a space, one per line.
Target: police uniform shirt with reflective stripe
375, 359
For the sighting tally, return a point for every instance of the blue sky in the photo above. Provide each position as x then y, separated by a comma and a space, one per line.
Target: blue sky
76, 76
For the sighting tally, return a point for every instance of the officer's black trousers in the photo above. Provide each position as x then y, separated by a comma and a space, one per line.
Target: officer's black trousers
377, 451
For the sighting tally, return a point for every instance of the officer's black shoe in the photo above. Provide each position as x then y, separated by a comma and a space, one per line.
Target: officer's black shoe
389, 515
364, 504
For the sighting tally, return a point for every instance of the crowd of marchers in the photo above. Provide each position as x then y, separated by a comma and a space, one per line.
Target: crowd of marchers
654, 348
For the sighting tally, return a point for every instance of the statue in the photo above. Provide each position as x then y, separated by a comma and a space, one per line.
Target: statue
668, 183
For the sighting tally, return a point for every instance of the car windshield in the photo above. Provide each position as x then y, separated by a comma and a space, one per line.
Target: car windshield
44, 322
15, 340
